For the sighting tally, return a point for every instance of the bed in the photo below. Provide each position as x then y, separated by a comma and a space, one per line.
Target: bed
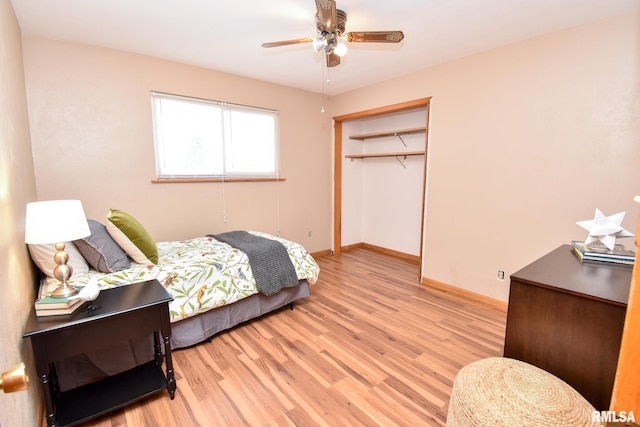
212, 283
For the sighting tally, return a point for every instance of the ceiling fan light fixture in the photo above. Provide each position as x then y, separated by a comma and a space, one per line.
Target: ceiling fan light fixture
319, 44
341, 47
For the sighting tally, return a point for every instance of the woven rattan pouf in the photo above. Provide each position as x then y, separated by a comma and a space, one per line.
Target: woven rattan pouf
505, 392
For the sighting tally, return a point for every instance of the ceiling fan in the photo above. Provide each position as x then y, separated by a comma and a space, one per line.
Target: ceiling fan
330, 26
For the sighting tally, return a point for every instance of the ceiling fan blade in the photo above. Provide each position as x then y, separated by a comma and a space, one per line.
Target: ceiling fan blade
332, 59
326, 16
287, 42
375, 36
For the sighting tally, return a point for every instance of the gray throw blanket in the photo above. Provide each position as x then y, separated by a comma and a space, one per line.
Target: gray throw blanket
269, 260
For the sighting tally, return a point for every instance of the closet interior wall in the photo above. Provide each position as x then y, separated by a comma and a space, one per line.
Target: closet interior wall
382, 197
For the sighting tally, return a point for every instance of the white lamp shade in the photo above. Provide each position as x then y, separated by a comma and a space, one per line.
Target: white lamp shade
55, 221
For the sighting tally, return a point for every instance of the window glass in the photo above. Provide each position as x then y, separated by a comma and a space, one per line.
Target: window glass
197, 138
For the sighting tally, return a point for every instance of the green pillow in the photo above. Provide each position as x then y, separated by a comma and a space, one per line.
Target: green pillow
132, 237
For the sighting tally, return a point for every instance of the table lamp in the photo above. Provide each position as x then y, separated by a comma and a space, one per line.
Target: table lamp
57, 221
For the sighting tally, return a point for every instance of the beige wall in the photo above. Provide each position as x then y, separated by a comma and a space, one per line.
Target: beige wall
525, 140
90, 112
17, 188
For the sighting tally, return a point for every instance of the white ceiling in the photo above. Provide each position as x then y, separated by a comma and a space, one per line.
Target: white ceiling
226, 35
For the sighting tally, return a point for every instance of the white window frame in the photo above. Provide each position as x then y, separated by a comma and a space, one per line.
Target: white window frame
228, 140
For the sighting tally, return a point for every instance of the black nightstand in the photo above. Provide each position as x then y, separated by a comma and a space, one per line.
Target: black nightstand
132, 311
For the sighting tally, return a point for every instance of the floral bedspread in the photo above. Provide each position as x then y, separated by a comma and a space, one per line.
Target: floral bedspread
201, 274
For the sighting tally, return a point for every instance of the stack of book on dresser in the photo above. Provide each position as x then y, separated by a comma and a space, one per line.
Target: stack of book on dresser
598, 252
49, 306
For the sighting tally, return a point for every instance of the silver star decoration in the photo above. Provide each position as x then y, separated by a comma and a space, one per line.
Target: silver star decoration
605, 228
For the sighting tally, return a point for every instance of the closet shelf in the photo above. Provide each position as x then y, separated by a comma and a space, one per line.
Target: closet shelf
388, 133
396, 154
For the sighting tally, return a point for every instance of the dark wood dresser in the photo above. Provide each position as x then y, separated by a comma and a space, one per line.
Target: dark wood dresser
566, 317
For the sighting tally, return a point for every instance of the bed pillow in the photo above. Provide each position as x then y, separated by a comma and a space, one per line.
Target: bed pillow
42, 256
132, 237
101, 251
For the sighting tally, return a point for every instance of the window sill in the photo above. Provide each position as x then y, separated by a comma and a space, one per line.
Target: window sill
195, 180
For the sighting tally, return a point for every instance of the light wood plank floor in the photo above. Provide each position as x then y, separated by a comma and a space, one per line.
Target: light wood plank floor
370, 347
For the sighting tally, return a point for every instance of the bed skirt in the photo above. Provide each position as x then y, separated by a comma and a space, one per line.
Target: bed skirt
87, 367
196, 329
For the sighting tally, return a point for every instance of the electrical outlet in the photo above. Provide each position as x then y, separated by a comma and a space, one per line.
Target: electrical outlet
500, 275
310, 233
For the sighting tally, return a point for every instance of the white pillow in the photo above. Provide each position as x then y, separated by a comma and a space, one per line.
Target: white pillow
42, 256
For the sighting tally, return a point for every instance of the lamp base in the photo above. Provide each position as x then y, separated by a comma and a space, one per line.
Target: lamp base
62, 272
64, 291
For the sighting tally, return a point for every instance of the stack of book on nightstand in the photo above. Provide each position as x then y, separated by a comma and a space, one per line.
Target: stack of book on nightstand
598, 252
49, 306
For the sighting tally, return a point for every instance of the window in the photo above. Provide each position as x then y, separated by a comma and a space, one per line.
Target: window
197, 138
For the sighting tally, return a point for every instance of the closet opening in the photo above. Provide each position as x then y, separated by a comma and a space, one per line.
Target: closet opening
380, 170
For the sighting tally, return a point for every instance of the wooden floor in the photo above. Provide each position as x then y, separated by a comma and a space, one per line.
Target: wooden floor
370, 347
